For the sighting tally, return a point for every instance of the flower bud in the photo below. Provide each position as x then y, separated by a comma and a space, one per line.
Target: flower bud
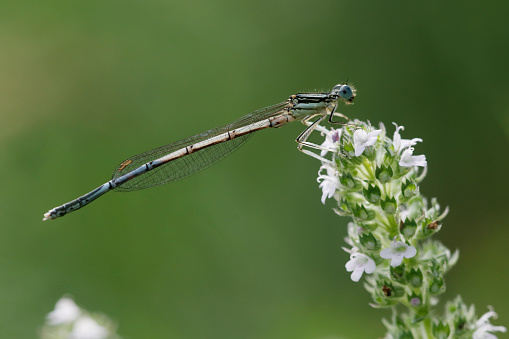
441, 330
414, 277
348, 148
349, 183
408, 189
369, 242
389, 205
384, 174
363, 213
398, 273
372, 194
408, 228
436, 286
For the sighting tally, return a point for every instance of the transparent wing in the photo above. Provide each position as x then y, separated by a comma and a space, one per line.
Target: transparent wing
190, 164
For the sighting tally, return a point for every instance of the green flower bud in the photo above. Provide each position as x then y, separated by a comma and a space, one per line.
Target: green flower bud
436, 286
344, 207
348, 148
369, 226
384, 174
441, 330
389, 205
414, 277
398, 273
408, 228
347, 181
369, 242
363, 213
372, 194
437, 267
370, 153
408, 189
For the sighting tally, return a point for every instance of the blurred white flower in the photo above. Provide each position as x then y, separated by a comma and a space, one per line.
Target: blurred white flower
484, 327
66, 311
362, 139
87, 328
409, 160
397, 252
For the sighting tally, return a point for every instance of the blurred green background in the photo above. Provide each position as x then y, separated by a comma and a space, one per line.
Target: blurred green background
244, 249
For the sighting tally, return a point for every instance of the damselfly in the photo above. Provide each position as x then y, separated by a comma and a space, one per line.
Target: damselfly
188, 156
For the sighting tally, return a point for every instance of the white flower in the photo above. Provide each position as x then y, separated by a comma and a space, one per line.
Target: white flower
66, 311
409, 160
362, 139
330, 181
397, 251
87, 328
399, 143
484, 327
358, 264
331, 141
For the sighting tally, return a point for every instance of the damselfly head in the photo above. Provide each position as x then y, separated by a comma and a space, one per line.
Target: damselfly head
344, 92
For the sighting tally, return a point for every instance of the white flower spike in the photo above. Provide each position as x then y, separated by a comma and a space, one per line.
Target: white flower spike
66, 311
397, 252
484, 327
376, 190
362, 139
358, 264
409, 160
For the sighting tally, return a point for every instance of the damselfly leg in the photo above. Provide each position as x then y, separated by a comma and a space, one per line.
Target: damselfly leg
311, 127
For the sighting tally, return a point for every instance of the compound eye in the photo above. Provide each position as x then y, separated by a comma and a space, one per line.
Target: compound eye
346, 93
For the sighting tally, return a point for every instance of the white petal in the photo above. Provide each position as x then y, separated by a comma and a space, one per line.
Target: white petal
324, 196
396, 260
370, 266
406, 143
485, 318
351, 264
497, 329
386, 253
409, 160
360, 137
406, 157
357, 274
331, 141
419, 160
372, 137
66, 311
328, 186
410, 252
87, 328
396, 139
359, 150
482, 333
